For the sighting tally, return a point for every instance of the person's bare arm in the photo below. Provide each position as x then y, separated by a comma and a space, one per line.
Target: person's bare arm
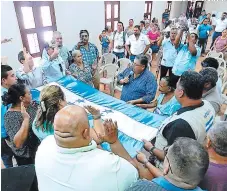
22, 134
159, 43
141, 157
97, 122
111, 137
191, 47
128, 49
146, 49
178, 38
137, 101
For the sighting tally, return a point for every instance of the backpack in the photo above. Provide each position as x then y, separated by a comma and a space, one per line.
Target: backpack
124, 33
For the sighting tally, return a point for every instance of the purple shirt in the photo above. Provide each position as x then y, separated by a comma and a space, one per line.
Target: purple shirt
215, 178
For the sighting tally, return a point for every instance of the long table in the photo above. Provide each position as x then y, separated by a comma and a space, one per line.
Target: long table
134, 123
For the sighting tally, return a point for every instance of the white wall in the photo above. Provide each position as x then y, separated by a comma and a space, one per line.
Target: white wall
71, 17
158, 8
177, 8
216, 7
131, 10
10, 29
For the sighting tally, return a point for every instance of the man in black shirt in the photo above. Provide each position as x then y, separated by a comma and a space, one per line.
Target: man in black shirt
192, 120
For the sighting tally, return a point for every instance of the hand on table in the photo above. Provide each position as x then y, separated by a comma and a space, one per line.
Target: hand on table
131, 102
141, 157
147, 145
111, 132
142, 106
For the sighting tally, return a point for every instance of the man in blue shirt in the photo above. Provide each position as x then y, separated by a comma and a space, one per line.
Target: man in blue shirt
169, 53
90, 55
8, 78
182, 170
187, 56
202, 16
53, 66
139, 84
204, 31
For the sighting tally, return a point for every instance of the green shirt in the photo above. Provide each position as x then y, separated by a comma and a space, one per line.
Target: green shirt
42, 133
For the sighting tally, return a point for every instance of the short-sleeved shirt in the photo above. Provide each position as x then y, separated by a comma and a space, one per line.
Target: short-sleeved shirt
169, 53
89, 55
220, 25
153, 36
204, 30
169, 108
220, 44
118, 40
60, 168
42, 132
157, 184
215, 178
185, 61
137, 46
13, 122
3, 112
144, 86
83, 75
105, 42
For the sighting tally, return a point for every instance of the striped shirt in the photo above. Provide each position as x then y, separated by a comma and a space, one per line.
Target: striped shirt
144, 86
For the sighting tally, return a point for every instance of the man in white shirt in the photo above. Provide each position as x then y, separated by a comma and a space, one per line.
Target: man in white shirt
221, 24
139, 44
70, 160
31, 75
118, 42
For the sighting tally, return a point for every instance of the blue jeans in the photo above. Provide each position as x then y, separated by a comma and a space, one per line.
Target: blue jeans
132, 58
119, 54
6, 154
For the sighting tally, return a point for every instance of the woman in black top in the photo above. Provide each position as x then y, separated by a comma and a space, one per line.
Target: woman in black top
18, 123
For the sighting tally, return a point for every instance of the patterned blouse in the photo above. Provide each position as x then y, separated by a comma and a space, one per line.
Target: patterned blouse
13, 121
84, 75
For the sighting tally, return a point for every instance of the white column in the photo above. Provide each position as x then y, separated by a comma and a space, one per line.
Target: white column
158, 8
177, 8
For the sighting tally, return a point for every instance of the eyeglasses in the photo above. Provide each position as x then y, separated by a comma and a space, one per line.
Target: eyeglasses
165, 155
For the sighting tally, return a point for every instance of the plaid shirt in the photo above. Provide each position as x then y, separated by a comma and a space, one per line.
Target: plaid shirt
89, 56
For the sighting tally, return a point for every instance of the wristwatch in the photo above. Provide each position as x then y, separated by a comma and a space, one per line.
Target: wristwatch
152, 149
95, 117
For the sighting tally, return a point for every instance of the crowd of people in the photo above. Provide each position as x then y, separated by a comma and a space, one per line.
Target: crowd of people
67, 153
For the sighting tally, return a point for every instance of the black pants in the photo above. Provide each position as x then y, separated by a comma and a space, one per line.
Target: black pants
164, 70
175, 78
6, 153
24, 161
203, 43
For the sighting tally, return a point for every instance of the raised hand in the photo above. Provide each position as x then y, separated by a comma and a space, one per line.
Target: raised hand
111, 132
24, 112
94, 111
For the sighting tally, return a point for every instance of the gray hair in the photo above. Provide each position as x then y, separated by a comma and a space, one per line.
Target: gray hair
218, 135
189, 160
75, 52
209, 75
55, 33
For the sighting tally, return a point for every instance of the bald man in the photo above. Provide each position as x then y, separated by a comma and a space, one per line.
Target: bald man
70, 160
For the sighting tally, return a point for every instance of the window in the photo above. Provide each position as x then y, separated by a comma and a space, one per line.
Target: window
169, 4
37, 22
148, 9
112, 13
